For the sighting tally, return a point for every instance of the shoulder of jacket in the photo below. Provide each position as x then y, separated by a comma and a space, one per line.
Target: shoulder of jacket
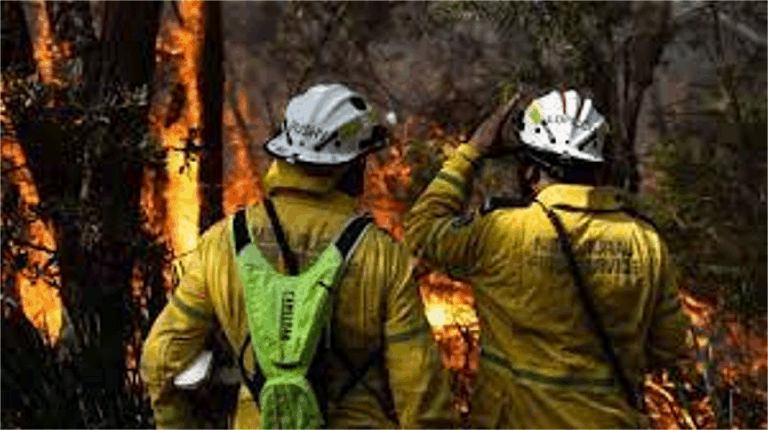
642, 217
221, 230
379, 240
494, 203
638, 209
380, 237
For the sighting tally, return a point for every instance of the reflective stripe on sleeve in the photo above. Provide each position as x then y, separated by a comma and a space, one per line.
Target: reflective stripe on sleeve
452, 180
566, 381
189, 310
408, 334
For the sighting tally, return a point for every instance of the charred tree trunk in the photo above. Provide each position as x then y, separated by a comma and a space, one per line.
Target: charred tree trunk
618, 75
72, 22
638, 58
89, 178
126, 63
16, 43
211, 89
126, 55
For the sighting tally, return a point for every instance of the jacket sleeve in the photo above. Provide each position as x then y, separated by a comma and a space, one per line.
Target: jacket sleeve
420, 384
669, 342
434, 230
176, 338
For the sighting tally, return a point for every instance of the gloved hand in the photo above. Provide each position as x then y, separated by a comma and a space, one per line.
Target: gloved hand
488, 138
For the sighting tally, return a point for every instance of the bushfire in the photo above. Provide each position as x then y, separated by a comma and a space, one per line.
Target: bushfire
171, 201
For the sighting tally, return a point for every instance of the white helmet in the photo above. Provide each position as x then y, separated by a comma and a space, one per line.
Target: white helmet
566, 125
327, 125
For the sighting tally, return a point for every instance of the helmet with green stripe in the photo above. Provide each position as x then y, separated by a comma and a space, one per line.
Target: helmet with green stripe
564, 125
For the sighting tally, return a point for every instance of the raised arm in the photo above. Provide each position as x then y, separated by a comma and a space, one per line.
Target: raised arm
433, 227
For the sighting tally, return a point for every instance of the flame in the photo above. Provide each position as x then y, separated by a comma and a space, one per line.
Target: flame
44, 46
181, 192
449, 304
39, 298
173, 208
242, 181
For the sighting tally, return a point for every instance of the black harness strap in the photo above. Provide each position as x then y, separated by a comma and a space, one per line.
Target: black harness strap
241, 231
288, 255
633, 396
349, 237
254, 383
346, 244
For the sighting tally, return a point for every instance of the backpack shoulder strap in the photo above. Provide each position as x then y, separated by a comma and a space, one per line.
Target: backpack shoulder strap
241, 238
350, 236
345, 244
290, 258
240, 231
606, 341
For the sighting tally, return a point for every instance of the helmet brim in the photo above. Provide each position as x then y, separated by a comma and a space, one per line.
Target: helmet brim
279, 147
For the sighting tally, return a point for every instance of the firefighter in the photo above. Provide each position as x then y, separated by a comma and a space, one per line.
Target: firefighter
544, 363
382, 367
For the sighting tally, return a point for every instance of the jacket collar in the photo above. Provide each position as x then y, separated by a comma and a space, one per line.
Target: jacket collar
309, 191
283, 175
579, 196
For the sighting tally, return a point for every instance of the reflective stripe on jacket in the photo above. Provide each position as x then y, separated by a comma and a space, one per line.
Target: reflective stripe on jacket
541, 366
378, 308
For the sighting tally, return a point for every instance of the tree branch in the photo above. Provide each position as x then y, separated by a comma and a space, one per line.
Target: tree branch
742, 29
26, 244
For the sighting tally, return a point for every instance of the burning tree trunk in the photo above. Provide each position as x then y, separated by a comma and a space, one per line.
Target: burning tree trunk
72, 25
210, 82
178, 127
96, 169
85, 152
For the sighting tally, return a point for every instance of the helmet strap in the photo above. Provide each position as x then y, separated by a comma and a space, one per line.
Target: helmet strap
555, 171
352, 183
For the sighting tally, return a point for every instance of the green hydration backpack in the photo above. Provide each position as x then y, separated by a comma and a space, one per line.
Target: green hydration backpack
287, 315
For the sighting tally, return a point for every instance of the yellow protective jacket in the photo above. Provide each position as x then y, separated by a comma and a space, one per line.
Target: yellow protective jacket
378, 307
541, 366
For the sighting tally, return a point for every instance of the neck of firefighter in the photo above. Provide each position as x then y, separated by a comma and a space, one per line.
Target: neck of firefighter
537, 179
348, 177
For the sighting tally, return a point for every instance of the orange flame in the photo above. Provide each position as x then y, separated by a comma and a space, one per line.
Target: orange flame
44, 45
181, 192
449, 304
39, 299
241, 181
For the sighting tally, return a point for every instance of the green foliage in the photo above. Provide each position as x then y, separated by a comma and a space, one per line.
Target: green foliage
710, 201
